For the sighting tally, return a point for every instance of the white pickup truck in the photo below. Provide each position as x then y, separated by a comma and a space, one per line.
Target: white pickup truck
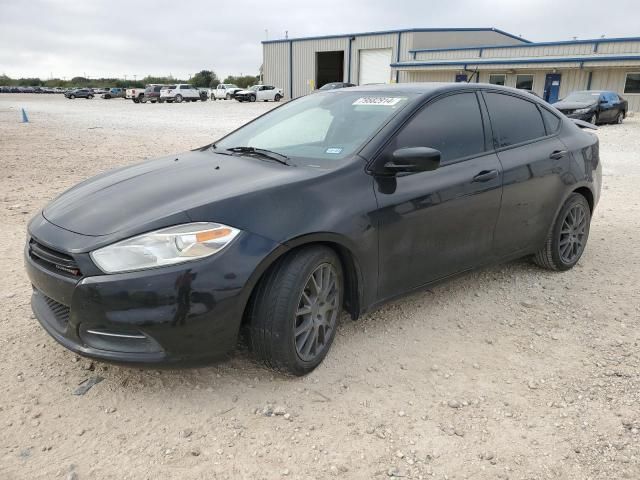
224, 91
134, 94
182, 92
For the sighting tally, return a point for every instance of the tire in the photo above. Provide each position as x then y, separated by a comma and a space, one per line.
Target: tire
620, 118
136, 100
89, 97
252, 98
277, 97
178, 99
227, 97
143, 100
72, 97
594, 119
570, 231
286, 289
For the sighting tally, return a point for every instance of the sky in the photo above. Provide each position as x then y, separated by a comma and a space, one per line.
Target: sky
135, 38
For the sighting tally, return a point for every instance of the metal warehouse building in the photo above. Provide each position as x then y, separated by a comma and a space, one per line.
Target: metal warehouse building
549, 69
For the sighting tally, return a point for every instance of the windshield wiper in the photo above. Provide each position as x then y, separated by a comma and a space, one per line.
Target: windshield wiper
261, 152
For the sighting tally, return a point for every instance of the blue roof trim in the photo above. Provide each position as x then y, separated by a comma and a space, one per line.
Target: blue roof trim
391, 32
531, 44
489, 61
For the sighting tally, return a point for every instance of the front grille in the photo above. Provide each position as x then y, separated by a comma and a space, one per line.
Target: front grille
53, 260
60, 313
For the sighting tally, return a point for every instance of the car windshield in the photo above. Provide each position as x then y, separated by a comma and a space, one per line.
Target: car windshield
582, 97
254, 88
329, 86
320, 129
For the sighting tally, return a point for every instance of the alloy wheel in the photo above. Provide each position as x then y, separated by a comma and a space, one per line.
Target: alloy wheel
573, 234
317, 312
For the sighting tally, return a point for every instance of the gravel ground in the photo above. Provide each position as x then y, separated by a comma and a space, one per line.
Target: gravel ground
510, 372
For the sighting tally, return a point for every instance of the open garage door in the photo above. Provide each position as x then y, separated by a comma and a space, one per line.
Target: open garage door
375, 66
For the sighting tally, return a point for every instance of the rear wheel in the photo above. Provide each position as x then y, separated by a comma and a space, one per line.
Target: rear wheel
227, 97
178, 99
89, 97
72, 97
143, 100
568, 237
293, 313
620, 118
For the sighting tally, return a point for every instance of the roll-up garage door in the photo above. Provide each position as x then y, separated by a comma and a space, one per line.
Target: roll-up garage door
375, 66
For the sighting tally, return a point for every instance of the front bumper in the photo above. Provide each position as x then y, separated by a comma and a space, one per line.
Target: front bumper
581, 116
184, 313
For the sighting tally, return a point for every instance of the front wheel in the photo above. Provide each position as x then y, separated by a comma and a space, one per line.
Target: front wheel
72, 97
568, 238
277, 97
227, 97
293, 313
252, 98
620, 118
594, 119
89, 97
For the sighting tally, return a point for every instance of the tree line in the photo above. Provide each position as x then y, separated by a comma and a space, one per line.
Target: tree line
202, 79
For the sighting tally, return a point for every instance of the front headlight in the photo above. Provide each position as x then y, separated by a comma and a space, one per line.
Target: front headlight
582, 110
168, 246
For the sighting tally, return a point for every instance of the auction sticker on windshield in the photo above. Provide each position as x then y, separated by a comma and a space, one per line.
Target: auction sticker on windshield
383, 101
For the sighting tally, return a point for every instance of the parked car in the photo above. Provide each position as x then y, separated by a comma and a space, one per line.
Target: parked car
5, 89
135, 94
263, 93
114, 93
79, 93
152, 94
99, 91
594, 106
181, 92
335, 200
224, 91
336, 85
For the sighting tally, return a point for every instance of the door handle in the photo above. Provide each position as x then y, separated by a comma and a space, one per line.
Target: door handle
486, 175
557, 154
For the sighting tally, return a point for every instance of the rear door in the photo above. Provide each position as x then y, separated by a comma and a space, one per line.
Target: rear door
434, 224
534, 161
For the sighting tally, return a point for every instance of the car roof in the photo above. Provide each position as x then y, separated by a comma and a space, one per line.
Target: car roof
431, 88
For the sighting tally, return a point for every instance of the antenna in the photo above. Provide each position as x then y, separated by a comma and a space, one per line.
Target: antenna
286, 34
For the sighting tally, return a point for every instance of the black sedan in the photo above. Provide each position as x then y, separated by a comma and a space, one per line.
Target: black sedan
80, 93
594, 106
338, 200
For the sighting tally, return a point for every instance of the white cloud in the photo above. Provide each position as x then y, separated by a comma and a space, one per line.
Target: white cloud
117, 38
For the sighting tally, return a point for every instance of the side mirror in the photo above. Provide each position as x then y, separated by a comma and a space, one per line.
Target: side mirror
413, 159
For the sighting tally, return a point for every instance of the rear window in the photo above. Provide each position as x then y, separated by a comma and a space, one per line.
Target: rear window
514, 119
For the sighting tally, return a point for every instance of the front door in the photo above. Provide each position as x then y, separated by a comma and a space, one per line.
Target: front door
434, 224
552, 87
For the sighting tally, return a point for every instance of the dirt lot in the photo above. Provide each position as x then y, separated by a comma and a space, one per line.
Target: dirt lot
510, 372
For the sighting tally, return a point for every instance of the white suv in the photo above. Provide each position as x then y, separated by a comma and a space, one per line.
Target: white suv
180, 92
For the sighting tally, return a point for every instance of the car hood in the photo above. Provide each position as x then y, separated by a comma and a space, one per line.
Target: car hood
161, 192
573, 105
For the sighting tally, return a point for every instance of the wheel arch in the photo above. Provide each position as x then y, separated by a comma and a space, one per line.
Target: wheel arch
353, 282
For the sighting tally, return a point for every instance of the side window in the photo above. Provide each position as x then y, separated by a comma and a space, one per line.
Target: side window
514, 119
452, 125
551, 122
